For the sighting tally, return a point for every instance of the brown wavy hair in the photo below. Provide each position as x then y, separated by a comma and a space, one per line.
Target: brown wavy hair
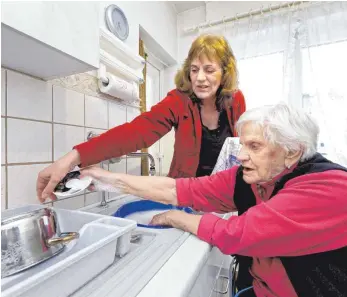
216, 48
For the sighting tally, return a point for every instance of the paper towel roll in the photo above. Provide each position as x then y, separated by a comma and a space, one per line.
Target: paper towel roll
120, 88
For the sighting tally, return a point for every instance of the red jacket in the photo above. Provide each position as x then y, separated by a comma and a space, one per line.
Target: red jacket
175, 110
308, 216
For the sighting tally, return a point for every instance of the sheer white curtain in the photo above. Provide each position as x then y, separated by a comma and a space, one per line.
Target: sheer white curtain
323, 38
297, 55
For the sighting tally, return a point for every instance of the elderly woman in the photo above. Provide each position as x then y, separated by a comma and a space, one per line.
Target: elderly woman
291, 233
203, 110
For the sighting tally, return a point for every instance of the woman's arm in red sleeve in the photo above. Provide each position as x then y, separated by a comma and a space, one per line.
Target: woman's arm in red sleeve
209, 193
308, 216
142, 132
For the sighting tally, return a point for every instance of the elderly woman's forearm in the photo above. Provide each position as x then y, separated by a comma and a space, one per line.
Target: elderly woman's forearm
157, 188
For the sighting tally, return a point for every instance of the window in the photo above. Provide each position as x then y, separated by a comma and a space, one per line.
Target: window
261, 79
325, 95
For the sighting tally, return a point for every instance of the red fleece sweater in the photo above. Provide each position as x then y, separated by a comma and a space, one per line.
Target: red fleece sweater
176, 111
309, 215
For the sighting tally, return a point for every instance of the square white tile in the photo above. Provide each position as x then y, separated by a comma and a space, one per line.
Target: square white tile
132, 113
68, 106
28, 141
94, 130
96, 112
28, 97
92, 198
65, 138
117, 114
3, 141
3, 187
70, 203
3, 91
113, 195
134, 166
22, 184
120, 167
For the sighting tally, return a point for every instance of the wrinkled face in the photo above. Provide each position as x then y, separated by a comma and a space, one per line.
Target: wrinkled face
205, 76
261, 160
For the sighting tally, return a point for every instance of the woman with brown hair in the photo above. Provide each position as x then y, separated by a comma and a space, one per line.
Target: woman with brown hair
203, 110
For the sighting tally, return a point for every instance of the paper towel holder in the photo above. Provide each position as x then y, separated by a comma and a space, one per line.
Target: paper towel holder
102, 74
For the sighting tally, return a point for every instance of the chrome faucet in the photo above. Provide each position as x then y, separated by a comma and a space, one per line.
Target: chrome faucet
150, 157
152, 171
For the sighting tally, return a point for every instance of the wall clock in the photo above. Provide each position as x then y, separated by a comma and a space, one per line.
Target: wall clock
117, 22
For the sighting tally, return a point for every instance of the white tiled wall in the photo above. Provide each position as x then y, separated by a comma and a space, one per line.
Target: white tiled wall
40, 122
3, 91
3, 187
28, 97
96, 113
28, 140
133, 164
68, 106
65, 137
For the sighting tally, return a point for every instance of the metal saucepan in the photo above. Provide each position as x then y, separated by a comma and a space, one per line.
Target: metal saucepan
30, 238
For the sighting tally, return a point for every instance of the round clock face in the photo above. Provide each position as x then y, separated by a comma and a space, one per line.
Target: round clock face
116, 22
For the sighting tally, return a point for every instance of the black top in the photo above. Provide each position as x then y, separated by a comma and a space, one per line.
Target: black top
211, 144
312, 275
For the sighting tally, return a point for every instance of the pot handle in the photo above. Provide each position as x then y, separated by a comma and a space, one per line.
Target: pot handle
64, 237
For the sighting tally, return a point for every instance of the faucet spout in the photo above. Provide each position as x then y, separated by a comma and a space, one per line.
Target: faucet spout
150, 157
152, 171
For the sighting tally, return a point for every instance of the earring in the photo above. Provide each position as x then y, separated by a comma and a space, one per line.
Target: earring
288, 166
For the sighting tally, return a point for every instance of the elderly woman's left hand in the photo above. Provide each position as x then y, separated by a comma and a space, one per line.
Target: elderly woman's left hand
164, 219
178, 219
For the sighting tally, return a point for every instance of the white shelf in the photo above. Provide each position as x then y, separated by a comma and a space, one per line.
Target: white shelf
119, 59
120, 69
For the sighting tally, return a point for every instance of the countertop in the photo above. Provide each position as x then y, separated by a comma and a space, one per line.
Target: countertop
178, 275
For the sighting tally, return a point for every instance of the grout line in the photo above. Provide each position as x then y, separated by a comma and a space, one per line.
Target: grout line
29, 163
52, 125
6, 167
42, 121
55, 123
6, 185
5, 93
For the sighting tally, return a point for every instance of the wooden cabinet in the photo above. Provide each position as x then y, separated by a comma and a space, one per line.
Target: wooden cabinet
50, 39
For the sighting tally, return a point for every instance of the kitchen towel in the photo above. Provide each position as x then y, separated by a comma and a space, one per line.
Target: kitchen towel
120, 88
228, 155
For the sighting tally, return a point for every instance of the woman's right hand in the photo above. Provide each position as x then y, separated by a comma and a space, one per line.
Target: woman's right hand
49, 177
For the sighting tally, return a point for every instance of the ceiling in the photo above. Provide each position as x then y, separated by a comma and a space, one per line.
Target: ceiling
181, 6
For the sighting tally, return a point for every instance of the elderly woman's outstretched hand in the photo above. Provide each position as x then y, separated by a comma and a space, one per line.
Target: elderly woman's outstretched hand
96, 172
178, 219
164, 219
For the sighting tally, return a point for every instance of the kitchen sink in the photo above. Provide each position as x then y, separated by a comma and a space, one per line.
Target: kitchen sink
127, 276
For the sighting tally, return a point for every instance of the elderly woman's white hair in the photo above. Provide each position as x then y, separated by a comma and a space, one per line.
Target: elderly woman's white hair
285, 126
